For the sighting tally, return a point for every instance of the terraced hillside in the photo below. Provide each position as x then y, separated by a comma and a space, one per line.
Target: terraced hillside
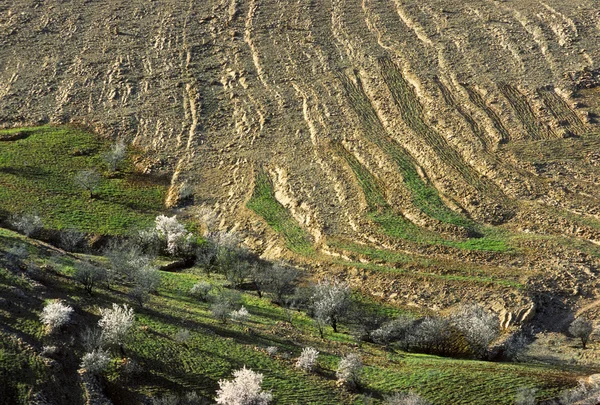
437, 149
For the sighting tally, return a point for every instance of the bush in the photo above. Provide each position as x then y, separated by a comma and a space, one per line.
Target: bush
401, 398
95, 362
308, 359
241, 315
115, 323
27, 224
91, 339
272, 351
71, 239
178, 240
182, 336
201, 290
434, 335
349, 369
56, 314
243, 390
395, 331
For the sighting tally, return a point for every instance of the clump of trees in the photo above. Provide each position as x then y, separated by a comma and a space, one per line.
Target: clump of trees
244, 389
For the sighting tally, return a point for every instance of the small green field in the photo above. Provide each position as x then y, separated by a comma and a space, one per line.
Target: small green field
264, 203
37, 171
214, 349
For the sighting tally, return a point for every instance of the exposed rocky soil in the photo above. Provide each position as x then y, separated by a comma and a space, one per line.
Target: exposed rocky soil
491, 103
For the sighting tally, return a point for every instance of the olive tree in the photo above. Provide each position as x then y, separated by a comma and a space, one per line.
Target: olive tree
330, 302
477, 326
88, 180
89, 275
582, 329
145, 281
116, 155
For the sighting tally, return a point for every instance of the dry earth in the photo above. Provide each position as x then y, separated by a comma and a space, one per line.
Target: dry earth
489, 106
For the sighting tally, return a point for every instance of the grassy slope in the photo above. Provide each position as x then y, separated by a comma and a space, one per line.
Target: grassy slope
37, 172
264, 203
215, 350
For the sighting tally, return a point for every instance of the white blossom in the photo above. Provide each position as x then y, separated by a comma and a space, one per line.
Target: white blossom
308, 359
115, 323
95, 361
56, 314
243, 390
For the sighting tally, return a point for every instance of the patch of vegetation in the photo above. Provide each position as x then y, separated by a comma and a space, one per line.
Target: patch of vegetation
212, 350
424, 195
37, 175
396, 226
264, 203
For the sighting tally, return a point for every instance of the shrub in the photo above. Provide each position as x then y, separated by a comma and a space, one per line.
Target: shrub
395, 331
434, 335
241, 315
401, 398
243, 390
95, 362
581, 328
308, 359
348, 371
56, 314
201, 290
525, 396
182, 336
115, 323
91, 339
27, 224
71, 239
272, 351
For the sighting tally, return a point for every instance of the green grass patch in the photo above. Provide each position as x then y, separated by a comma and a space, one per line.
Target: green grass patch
396, 226
264, 203
37, 175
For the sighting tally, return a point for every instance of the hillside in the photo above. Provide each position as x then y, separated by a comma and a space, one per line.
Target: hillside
429, 152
